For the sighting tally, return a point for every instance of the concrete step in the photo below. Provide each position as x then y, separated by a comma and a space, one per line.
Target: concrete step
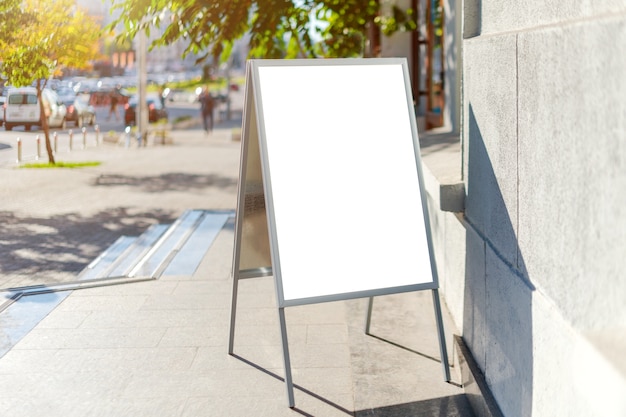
177, 248
97, 267
139, 249
162, 251
186, 259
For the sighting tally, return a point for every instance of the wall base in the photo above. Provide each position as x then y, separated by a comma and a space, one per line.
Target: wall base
482, 402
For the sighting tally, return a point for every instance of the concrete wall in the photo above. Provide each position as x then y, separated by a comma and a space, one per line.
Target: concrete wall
544, 165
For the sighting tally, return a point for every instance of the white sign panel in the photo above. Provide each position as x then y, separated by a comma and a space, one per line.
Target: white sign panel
341, 177
331, 200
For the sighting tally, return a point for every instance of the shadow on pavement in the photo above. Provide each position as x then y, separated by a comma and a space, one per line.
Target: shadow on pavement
173, 181
454, 405
43, 250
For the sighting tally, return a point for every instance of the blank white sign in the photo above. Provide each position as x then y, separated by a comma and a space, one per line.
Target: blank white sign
341, 171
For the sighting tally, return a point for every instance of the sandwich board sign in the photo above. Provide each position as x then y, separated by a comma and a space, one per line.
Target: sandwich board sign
331, 201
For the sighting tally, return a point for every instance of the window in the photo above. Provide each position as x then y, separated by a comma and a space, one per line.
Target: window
23, 99
428, 44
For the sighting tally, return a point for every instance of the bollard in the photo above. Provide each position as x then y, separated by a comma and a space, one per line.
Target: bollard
97, 128
56, 141
71, 134
19, 150
38, 148
127, 130
84, 137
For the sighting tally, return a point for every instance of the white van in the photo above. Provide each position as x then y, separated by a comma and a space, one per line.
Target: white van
2, 100
22, 108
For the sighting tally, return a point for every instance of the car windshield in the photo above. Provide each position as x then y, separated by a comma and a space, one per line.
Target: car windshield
23, 99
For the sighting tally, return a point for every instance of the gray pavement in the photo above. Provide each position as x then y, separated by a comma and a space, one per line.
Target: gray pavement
159, 348
53, 222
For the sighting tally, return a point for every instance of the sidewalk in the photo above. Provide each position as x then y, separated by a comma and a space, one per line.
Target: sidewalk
159, 348
53, 222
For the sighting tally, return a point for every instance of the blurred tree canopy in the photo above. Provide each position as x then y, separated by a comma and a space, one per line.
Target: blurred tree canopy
12, 17
38, 38
276, 28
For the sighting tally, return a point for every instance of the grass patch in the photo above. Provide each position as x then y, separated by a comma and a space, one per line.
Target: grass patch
182, 118
191, 85
61, 164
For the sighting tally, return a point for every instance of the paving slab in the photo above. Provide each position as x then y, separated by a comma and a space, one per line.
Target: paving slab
159, 348
119, 350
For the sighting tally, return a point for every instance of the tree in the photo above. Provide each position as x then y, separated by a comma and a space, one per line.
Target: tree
11, 17
347, 22
40, 37
277, 28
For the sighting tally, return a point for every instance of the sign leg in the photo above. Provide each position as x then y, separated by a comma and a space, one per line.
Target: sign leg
442, 336
288, 380
368, 319
233, 313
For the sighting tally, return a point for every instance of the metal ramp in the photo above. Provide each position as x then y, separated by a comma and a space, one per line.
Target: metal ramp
175, 249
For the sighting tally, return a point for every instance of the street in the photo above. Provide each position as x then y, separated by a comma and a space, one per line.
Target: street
8, 140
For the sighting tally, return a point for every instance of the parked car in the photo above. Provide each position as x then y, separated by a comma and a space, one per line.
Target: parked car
102, 97
80, 112
2, 101
22, 108
156, 111
65, 93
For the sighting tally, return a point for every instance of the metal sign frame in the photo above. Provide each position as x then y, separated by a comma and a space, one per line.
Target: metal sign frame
272, 162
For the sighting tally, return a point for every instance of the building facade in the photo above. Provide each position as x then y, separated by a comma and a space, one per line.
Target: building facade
158, 60
532, 260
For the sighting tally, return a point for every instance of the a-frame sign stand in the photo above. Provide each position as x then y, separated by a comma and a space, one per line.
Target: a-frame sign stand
331, 199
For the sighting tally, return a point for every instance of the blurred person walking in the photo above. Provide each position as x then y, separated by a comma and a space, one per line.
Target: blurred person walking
113, 101
207, 105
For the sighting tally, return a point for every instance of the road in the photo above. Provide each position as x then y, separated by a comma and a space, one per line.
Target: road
8, 140
174, 111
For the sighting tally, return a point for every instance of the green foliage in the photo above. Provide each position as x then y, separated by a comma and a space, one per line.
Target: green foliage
12, 17
276, 28
397, 21
39, 38
347, 21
